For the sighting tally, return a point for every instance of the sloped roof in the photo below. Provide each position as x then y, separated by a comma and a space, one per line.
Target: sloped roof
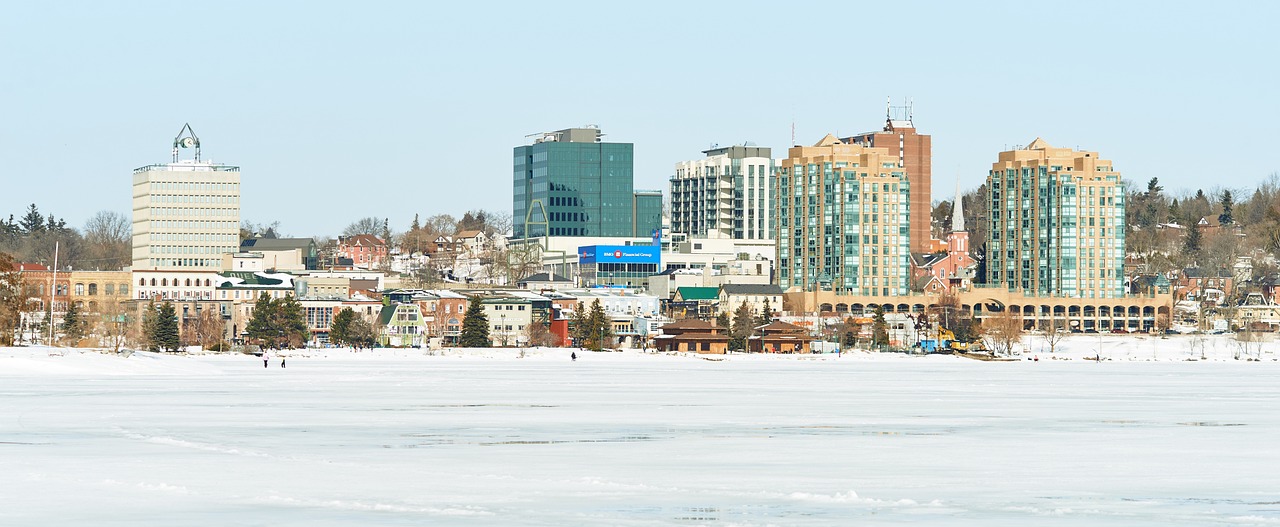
363, 239
467, 234
698, 293
828, 141
544, 277
779, 325
1039, 144
690, 323
751, 289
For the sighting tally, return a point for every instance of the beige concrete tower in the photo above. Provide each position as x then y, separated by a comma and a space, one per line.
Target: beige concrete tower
842, 213
1056, 223
186, 213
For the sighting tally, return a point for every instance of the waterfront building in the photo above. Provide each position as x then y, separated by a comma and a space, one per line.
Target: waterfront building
571, 183
914, 152
186, 213
1056, 223
843, 225
724, 195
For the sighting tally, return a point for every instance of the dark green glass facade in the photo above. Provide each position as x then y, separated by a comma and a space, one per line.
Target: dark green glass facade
583, 188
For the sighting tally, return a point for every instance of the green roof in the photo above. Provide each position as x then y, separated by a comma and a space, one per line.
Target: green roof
698, 293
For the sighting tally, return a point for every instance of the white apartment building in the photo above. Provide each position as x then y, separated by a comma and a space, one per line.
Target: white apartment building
186, 214
724, 195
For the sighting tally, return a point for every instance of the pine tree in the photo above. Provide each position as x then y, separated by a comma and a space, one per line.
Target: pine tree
151, 326
72, 324
1227, 201
33, 222
743, 326
579, 331
766, 314
260, 327
340, 328
166, 328
475, 326
1191, 244
290, 319
600, 327
879, 329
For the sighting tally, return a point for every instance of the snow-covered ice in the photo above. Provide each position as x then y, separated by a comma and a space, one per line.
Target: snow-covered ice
481, 437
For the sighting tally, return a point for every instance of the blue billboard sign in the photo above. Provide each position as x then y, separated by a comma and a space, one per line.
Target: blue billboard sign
590, 254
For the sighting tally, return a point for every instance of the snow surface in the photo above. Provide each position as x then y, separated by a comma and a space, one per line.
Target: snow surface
484, 437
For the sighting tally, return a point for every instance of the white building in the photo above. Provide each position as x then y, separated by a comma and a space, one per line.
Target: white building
186, 214
724, 195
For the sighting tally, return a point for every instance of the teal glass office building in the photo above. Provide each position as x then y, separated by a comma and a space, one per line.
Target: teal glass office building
570, 183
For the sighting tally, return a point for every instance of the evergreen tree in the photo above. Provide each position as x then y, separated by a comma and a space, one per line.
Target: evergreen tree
579, 331
879, 329
475, 326
1227, 201
166, 327
1191, 244
722, 320
600, 327
73, 325
340, 329
290, 318
151, 326
260, 327
32, 222
766, 314
743, 326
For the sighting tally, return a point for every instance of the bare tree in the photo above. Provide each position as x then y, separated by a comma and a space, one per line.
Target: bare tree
206, 330
1002, 331
115, 322
369, 225
1054, 334
539, 336
106, 235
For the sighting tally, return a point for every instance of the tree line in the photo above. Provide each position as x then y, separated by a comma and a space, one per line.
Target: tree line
102, 244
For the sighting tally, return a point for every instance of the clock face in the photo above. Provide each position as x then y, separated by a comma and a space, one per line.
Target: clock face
188, 142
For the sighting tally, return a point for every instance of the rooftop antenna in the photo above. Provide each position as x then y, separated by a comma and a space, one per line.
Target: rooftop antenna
793, 131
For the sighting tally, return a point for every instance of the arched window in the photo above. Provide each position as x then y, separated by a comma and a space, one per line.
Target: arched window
153, 282
207, 282
93, 289
79, 289
143, 281
164, 281
188, 282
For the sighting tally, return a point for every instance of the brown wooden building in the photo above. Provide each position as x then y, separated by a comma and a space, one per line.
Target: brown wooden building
692, 335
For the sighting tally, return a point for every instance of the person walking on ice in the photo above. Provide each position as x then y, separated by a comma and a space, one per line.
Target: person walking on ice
265, 359
573, 355
281, 362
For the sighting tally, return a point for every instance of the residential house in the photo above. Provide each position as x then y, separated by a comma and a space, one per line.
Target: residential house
366, 251
1204, 285
401, 326
732, 296
544, 282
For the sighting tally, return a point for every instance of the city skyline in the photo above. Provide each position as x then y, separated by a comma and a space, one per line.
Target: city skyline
318, 104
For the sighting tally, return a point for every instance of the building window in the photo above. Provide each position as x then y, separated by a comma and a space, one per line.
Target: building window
124, 289
79, 289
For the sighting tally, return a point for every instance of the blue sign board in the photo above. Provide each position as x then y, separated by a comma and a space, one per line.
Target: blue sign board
590, 254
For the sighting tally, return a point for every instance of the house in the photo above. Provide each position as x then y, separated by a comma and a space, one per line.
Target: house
1149, 284
471, 241
756, 296
544, 282
690, 335
779, 337
401, 326
366, 251
1203, 285
695, 302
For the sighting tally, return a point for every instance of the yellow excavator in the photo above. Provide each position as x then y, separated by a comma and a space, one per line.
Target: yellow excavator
949, 342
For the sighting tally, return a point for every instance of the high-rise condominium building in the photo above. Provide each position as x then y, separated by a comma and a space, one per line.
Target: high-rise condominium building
842, 213
914, 152
186, 214
570, 183
724, 195
1056, 223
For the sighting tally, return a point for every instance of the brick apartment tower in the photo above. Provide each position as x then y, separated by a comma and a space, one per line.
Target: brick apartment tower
914, 152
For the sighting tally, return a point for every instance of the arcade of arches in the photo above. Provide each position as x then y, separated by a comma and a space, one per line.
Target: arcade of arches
1133, 313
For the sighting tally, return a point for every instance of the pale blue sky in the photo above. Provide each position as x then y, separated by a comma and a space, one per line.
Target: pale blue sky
337, 111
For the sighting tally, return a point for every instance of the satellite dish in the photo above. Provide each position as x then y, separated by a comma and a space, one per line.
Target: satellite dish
188, 142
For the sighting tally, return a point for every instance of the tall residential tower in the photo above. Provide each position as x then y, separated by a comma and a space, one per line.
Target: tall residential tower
570, 183
914, 153
842, 226
724, 195
1056, 223
186, 214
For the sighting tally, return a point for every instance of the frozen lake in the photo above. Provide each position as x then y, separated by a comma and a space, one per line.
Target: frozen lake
628, 439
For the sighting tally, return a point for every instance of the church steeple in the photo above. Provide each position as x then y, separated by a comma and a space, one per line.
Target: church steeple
957, 211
